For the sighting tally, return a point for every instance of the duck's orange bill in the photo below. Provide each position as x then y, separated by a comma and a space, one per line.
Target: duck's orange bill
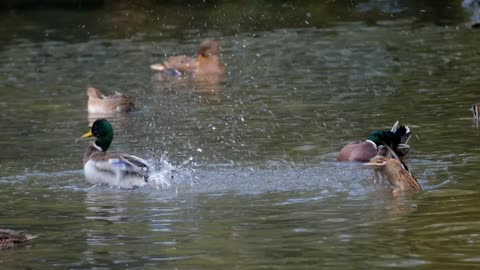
87, 135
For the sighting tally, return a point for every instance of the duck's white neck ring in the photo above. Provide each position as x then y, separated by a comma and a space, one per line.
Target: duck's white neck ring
97, 147
371, 142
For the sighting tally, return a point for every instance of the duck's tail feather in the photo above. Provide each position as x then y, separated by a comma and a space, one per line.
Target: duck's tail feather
395, 126
402, 131
158, 67
474, 110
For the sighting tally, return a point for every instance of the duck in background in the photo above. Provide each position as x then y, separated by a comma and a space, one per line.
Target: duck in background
473, 7
119, 170
99, 103
9, 238
474, 110
363, 151
207, 63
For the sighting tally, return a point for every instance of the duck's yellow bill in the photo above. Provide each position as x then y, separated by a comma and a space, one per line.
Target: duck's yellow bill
87, 135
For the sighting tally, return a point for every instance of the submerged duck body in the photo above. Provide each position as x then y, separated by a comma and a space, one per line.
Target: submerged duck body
99, 103
9, 238
207, 62
119, 170
395, 172
363, 151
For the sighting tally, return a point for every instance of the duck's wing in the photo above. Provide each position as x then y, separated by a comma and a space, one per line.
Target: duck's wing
122, 162
412, 181
182, 63
361, 151
121, 102
138, 165
409, 181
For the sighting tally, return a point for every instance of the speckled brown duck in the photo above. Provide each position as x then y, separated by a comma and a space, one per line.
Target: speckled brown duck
99, 103
395, 172
9, 238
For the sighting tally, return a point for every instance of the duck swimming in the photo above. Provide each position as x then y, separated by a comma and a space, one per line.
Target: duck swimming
363, 151
395, 172
9, 238
99, 103
119, 170
207, 62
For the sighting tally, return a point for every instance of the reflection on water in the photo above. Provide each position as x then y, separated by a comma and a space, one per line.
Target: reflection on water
210, 88
105, 205
244, 166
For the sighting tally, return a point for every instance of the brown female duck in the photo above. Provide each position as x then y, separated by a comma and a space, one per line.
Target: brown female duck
395, 172
99, 103
9, 238
207, 62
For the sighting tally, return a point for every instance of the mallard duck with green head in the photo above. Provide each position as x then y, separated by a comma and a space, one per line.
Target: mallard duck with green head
120, 170
9, 238
363, 151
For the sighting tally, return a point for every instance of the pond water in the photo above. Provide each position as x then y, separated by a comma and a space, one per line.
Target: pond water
255, 183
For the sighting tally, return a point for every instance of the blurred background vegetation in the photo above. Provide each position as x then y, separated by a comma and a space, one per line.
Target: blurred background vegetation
124, 18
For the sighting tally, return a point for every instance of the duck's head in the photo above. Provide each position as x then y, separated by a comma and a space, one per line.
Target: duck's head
94, 93
103, 131
208, 48
384, 137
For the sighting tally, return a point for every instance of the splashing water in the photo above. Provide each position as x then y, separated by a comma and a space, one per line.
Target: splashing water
167, 176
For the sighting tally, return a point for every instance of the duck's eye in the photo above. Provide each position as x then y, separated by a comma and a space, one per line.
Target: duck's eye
95, 130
